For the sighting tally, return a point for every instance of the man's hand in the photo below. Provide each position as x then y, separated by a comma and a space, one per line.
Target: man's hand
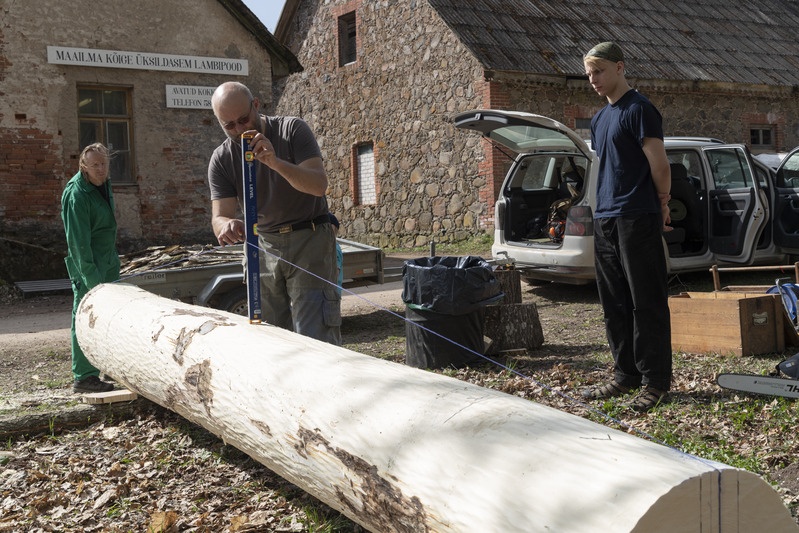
232, 232
308, 176
263, 150
665, 211
227, 228
655, 153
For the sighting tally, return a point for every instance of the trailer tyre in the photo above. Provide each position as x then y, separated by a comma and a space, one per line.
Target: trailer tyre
234, 301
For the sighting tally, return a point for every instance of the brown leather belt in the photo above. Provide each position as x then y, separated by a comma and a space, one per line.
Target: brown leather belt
308, 224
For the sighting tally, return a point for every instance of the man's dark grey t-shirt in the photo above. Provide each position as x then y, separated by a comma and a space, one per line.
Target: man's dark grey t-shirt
278, 202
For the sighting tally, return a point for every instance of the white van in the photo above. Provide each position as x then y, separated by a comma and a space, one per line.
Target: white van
726, 208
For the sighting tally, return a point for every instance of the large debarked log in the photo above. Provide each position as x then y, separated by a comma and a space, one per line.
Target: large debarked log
400, 449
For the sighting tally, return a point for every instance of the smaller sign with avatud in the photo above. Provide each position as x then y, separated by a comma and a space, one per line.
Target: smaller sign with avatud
189, 96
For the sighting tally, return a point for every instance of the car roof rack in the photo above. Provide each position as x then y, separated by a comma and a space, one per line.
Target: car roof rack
698, 139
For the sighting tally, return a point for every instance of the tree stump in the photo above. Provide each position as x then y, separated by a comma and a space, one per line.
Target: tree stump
511, 283
513, 327
510, 324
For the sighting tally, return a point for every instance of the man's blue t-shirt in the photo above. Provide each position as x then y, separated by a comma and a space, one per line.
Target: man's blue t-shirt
625, 185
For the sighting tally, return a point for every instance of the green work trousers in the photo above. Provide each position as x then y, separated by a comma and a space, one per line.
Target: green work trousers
81, 367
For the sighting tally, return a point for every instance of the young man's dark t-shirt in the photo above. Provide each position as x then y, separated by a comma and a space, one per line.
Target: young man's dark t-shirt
625, 185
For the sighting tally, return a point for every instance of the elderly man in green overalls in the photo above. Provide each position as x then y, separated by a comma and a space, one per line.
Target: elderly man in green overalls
87, 209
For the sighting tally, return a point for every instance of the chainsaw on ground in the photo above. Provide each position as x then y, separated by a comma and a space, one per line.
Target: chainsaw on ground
773, 385
784, 380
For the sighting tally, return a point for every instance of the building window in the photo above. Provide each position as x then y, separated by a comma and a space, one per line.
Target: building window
104, 115
582, 127
761, 138
366, 189
347, 39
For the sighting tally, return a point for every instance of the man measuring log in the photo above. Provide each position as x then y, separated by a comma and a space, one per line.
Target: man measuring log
297, 257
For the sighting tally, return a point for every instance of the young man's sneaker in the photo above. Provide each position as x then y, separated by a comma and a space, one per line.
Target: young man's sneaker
648, 398
611, 389
91, 384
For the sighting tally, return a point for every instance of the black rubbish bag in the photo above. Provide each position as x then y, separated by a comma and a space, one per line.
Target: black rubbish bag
445, 300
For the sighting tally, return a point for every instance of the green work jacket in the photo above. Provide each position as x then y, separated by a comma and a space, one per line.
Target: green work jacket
91, 230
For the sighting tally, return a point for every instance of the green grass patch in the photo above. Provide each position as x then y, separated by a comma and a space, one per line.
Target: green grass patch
479, 245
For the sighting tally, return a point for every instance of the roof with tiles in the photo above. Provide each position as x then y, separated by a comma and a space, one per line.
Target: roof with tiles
732, 41
283, 60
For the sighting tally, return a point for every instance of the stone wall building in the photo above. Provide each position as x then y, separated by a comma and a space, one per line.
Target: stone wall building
382, 81
137, 76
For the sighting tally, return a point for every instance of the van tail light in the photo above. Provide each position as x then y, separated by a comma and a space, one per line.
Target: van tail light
580, 221
499, 213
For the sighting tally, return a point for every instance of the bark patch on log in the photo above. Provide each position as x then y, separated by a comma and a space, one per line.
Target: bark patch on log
187, 335
199, 389
262, 427
183, 341
200, 376
383, 502
211, 315
208, 327
92, 317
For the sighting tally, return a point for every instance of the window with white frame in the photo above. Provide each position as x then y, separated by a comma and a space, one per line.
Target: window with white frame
365, 178
582, 127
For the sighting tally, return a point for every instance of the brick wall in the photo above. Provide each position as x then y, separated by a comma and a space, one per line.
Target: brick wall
31, 170
168, 200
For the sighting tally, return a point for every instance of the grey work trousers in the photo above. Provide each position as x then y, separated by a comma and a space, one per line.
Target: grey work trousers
298, 282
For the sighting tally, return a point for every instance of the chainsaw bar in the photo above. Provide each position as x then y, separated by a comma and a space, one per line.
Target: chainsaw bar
772, 386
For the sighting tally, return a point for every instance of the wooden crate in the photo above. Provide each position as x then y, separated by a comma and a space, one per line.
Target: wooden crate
791, 335
727, 323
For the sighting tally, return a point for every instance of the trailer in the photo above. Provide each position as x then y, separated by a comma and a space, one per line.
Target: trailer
214, 277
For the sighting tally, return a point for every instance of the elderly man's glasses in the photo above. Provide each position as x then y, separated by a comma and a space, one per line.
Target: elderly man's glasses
241, 121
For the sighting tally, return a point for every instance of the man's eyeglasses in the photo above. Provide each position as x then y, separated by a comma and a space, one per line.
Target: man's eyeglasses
241, 121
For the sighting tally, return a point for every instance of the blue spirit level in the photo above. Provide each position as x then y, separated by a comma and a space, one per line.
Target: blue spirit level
251, 230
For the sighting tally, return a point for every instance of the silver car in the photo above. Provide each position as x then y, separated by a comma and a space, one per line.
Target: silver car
726, 207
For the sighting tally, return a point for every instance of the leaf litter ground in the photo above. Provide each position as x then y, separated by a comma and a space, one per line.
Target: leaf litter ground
153, 469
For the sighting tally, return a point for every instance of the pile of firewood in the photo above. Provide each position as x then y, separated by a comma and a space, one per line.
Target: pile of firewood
177, 256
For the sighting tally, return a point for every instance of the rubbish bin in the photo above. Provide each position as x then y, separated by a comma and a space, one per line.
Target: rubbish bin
445, 300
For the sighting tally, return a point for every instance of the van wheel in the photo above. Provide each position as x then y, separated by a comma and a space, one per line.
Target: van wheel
234, 301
